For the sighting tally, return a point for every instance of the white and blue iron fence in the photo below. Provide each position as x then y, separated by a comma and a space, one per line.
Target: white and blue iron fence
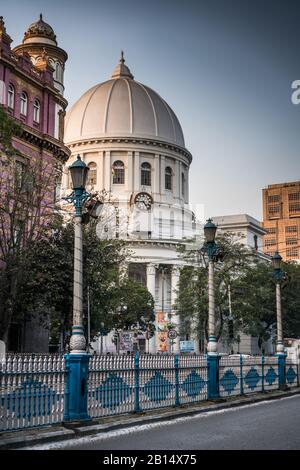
32, 390
39, 390
123, 384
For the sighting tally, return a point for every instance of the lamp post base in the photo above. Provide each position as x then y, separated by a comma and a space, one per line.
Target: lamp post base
281, 371
76, 407
77, 341
212, 345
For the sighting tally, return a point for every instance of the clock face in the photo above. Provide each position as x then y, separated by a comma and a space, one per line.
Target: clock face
143, 201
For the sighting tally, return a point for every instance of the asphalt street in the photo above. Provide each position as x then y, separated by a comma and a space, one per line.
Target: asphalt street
266, 425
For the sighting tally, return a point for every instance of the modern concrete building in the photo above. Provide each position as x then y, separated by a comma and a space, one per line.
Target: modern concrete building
247, 229
281, 220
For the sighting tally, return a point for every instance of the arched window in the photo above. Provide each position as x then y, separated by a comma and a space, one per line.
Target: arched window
92, 175
118, 172
36, 111
23, 103
146, 174
11, 96
168, 178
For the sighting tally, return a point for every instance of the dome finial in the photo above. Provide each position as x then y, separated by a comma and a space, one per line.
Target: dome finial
41, 17
121, 70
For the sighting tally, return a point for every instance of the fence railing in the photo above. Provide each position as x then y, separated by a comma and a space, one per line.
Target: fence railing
32, 390
43, 389
122, 384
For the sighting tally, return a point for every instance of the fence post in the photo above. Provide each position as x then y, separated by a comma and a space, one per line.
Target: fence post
137, 383
76, 389
241, 376
262, 373
281, 372
213, 376
176, 366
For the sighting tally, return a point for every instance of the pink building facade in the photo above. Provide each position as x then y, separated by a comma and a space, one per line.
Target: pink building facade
31, 92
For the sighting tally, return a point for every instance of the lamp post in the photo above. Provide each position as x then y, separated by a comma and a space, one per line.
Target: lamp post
211, 248
79, 171
279, 276
78, 360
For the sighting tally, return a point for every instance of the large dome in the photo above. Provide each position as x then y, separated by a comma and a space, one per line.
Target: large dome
122, 107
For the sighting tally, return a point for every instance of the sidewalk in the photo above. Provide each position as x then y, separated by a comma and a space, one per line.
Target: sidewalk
47, 434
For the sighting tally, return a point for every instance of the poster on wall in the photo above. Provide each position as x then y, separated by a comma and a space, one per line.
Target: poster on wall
162, 334
126, 341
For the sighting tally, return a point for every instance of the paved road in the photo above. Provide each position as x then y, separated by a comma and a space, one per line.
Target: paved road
266, 425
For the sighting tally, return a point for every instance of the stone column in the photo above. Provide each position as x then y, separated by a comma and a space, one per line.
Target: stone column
175, 319
136, 172
162, 174
156, 188
151, 273
107, 171
100, 171
130, 171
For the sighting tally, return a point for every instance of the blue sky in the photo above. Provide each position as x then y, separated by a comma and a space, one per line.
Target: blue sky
225, 68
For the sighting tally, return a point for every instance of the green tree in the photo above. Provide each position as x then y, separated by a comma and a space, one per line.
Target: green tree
26, 215
254, 301
192, 299
49, 289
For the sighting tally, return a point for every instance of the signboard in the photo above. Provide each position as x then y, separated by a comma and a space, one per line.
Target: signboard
172, 334
126, 341
187, 346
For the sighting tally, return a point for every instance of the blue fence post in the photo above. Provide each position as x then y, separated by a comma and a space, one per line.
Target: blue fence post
137, 383
176, 366
262, 373
76, 389
213, 376
241, 376
281, 372
67, 389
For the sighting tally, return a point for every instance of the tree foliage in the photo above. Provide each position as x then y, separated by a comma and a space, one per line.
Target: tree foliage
248, 280
26, 215
49, 288
192, 300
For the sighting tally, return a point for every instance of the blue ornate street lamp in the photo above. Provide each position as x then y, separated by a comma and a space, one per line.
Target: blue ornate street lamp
214, 253
279, 276
78, 360
211, 248
79, 172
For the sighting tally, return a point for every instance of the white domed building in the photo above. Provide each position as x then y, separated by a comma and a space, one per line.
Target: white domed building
134, 146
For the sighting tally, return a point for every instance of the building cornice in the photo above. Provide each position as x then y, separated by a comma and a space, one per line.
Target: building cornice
38, 46
155, 144
45, 141
35, 77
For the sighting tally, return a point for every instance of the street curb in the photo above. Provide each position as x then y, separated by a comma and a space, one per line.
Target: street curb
24, 438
